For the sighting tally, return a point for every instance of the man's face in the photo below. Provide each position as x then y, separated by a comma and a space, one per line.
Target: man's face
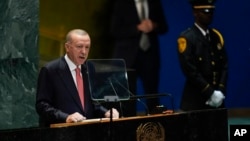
204, 16
78, 48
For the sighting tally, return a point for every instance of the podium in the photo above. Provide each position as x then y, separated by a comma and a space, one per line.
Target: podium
205, 125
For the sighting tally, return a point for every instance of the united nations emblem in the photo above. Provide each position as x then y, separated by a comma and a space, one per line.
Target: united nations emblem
150, 131
182, 44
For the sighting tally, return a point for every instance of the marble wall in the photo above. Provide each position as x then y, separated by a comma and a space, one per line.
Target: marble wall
18, 62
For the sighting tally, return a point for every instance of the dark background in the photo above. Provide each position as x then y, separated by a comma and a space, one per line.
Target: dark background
231, 18
32, 31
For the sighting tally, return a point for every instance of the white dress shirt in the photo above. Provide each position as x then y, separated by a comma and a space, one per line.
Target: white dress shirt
72, 68
138, 6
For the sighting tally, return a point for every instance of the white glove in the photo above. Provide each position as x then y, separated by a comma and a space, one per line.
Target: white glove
216, 99
212, 104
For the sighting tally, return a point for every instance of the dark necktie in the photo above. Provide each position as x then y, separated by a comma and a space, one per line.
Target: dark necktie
207, 36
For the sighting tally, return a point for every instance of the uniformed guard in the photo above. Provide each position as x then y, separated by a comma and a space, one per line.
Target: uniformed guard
203, 60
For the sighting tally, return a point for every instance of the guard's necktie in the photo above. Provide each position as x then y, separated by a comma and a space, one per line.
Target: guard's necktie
80, 88
207, 35
144, 41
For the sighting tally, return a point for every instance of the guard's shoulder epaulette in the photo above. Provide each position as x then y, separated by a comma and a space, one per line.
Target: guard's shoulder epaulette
220, 36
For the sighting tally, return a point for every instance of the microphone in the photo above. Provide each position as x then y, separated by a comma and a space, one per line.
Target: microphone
144, 105
117, 99
171, 99
84, 68
138, 98
131, 94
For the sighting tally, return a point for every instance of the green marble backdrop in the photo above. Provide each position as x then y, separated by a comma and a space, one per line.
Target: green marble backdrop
18, 62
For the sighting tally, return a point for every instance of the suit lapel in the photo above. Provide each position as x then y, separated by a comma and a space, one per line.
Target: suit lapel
133, 8
68, 81
87, 95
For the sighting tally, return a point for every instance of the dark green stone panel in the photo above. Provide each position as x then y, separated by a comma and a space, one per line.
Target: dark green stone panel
19, 24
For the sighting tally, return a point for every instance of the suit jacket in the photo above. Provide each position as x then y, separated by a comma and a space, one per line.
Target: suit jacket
204, 63
126, 36
57, 95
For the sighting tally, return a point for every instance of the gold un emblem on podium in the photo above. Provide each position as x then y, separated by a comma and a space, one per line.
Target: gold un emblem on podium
150, 131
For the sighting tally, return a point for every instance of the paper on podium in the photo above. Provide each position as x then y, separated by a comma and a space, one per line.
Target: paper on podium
96, 120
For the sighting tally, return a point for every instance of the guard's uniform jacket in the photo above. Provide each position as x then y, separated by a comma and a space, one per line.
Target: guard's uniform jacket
204, 63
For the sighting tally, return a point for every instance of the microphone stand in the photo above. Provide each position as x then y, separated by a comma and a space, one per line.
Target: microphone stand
148, 96
111, 99
139, 97
111, 125
110, 132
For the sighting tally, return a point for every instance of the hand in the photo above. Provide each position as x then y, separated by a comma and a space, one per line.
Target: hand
115, 113
216, 99
76, 117
146, 26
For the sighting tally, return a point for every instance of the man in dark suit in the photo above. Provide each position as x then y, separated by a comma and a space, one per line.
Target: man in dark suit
59, 97
203, 61
135, 27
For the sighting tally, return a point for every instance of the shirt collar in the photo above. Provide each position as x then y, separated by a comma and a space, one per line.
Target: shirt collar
202, 31
71, 65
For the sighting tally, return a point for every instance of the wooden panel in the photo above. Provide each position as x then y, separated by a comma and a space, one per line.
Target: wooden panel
209, 125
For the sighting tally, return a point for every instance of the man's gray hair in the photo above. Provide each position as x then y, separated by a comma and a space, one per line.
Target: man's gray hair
75, 31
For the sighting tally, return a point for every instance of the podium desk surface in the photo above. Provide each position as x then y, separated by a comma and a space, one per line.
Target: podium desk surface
106, 120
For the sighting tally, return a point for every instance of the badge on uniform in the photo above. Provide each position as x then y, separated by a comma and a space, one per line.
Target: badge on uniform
182, 44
